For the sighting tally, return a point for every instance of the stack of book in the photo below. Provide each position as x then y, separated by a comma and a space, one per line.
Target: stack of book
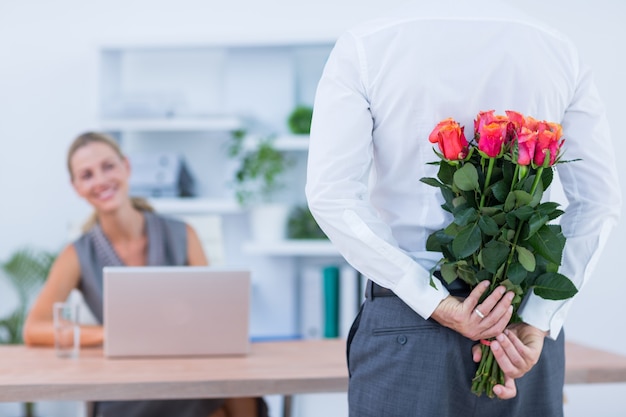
330, 298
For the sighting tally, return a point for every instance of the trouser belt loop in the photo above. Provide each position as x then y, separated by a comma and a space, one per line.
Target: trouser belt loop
369, 290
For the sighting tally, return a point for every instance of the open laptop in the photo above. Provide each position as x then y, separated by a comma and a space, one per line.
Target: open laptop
175, 311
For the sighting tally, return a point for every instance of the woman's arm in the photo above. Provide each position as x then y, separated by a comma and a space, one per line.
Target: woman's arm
195, 253
62, 279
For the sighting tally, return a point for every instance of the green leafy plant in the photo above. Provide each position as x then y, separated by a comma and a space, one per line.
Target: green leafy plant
302, 225
26, 270
259, 175
300, 120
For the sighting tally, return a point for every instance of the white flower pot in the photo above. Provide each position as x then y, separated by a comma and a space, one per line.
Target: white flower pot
269, 222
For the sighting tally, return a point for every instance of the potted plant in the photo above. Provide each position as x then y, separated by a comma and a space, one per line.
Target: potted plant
26, 269
302, 225
258, 178
299, 120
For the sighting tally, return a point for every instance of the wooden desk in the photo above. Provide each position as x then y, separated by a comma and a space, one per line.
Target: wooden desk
286, 368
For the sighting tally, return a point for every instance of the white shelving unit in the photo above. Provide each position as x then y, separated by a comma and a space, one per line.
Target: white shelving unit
195, 206
302, 248
188, 98
207, 124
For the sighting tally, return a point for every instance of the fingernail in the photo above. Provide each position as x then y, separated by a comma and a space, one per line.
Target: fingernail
500, 337
510, 309
502, 290
497, 390
510, 295
495, 345
506, 331
485, 283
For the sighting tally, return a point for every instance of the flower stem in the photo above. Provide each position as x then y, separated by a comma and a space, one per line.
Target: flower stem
536, 181
492, 162
515, 177
488, 374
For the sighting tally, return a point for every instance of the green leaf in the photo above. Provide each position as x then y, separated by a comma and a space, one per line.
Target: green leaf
488, 226
459, 203
548, 242
432, 182
482, 275
466, 216
516, 288
536, 222
466, 273
523, 213
448, 196
494, 254
499, 218
500, 190
526, 258
516, 273
446, 172
511, 220
448, 272
554, 286
12, 326
547, 208
27, 269
509, 203
436, 240
546, 177
522, 198
466, 178
452, 230
555, 214
467, 241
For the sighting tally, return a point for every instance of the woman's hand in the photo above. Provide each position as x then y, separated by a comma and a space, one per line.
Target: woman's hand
476, 321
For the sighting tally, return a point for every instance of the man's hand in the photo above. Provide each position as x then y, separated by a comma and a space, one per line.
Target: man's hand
464, 316
516, 350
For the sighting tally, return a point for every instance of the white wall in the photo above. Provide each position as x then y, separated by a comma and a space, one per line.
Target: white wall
48, 80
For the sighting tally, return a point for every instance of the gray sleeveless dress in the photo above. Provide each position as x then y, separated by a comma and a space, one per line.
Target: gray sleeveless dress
167, 245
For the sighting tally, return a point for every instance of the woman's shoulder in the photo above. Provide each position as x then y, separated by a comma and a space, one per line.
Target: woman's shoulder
165, 220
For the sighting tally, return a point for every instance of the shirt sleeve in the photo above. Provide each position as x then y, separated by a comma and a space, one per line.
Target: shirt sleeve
591, 187
338, 172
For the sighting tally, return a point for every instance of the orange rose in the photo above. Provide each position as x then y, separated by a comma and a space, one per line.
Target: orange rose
451, 139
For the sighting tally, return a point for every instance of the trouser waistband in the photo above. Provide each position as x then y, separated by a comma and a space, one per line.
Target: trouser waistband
457, 288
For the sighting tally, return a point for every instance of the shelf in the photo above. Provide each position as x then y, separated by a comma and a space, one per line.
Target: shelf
194, 205
281, 143
292, 248
221, 123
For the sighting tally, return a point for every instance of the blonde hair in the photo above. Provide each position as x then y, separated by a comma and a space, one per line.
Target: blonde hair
85, 139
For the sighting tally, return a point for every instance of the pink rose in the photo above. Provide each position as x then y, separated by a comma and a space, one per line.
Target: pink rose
517, 119
547, 140
526, 143
491, 138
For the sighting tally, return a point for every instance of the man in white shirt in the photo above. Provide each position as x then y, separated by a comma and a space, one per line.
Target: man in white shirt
387, 83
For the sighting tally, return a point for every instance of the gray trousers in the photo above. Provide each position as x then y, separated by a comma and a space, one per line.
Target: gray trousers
402, 365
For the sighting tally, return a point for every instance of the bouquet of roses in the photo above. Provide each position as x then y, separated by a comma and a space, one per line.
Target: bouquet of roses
501, 230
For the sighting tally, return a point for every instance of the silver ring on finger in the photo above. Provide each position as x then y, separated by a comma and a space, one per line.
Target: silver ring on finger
479, 313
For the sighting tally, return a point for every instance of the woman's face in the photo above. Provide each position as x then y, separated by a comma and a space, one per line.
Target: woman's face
100, 176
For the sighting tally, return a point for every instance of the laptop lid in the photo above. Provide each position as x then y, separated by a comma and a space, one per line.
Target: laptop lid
175, 311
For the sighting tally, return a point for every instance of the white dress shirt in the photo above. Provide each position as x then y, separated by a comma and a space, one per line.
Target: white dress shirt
388, 82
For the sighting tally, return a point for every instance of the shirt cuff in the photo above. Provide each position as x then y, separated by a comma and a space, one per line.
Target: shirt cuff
415, 290
546, 315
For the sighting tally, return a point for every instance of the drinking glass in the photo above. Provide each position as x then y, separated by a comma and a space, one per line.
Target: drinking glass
66, 329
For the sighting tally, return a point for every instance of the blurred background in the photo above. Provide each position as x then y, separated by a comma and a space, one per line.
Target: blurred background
54, 76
